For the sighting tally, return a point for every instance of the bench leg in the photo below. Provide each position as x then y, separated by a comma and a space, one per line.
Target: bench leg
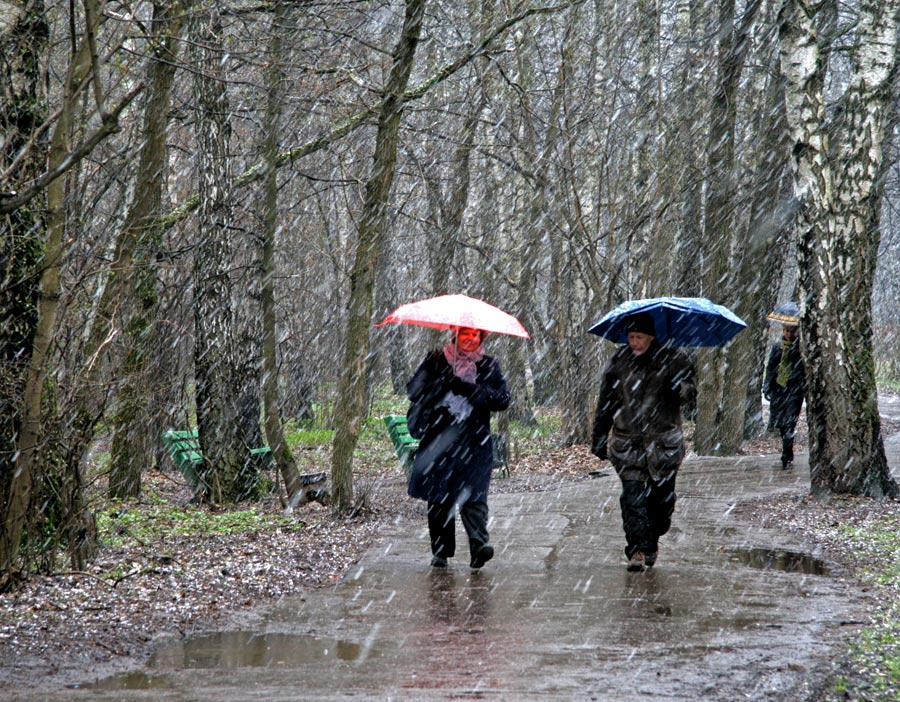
310, 494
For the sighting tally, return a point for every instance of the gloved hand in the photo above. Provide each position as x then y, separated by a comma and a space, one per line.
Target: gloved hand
461, 387
599, 450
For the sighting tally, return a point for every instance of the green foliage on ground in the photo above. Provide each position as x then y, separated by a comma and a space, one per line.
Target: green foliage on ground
304, 435
154, 519
875, 654
889, 385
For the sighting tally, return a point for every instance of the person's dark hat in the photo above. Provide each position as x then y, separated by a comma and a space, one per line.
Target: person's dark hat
642, 322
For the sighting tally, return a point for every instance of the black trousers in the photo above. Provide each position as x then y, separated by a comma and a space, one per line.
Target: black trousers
647, 507
787, 442
442, 526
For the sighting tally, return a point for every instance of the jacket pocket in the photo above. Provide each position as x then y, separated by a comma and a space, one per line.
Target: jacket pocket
626, 452
666, 452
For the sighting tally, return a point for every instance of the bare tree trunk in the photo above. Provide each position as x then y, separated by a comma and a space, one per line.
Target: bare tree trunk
31, 435
132, 443
351, 394
721, 386
216, 362
30, 438
536, 235
583, 279
23, 45
838, 187
449, 210
274, 429
65, 154
689, 235
768, 233
643, 222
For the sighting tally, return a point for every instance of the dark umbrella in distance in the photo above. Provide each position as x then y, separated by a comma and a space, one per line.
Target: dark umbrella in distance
679, 321
787, 313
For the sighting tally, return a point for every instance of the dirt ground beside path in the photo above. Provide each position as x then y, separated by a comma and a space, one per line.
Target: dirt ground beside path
74, 627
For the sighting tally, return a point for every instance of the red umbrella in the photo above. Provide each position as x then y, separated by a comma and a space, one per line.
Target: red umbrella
448, 311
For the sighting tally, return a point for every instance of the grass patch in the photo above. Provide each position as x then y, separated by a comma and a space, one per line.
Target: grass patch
548, 426
875, 654
123, 524
888, 384
307, 436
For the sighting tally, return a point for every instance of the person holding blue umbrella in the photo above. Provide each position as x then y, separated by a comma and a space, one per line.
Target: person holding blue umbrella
637, 427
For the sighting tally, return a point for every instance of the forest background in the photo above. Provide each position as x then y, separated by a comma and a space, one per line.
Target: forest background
206, 207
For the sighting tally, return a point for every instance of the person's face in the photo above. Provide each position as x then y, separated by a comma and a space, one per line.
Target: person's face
468, 339
789, 333
638, 342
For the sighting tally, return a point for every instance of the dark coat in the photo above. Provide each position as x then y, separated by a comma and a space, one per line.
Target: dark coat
785, 402
641, 398
454, 458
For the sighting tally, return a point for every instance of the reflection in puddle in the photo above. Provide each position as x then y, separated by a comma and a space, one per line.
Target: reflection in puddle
132, 681
778, 559
231, 650
241, 649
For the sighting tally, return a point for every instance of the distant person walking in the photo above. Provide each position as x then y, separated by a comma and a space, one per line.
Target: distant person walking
645, 385
785, 380
452, 395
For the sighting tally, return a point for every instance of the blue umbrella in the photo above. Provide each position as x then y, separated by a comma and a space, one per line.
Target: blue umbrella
679, 321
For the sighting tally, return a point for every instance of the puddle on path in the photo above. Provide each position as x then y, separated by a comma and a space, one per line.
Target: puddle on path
243, 649
232, 650
779, 559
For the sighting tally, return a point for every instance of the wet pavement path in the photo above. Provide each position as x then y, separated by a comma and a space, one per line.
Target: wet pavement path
727, 613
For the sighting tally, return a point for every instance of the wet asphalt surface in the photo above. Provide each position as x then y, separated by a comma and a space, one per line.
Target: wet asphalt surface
727, 614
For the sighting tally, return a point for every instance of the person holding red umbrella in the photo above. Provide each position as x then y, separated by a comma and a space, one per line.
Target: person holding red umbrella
452, 395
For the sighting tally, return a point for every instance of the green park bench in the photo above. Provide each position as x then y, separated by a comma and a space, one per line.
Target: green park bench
406, 446
184, 448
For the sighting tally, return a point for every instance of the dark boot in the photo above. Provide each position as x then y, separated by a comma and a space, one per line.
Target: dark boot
482, 556
787, 452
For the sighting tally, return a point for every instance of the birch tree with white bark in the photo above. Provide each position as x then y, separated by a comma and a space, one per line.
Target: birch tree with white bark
838, 165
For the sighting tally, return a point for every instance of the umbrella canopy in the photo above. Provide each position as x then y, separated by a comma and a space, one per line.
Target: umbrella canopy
787, 313
679, 321
449, 311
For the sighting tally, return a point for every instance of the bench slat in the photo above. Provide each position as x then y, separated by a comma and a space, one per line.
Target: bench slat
405, 446
183, 446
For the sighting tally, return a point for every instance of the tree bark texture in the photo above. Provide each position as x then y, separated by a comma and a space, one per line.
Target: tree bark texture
837, 187
134, 281
31, 439
722, 374
284, 459
541, 142
643, 224
23, 43
227, 473
769, 235
689, 138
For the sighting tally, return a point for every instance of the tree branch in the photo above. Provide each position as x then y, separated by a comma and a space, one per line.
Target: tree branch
256, 172
11, 201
